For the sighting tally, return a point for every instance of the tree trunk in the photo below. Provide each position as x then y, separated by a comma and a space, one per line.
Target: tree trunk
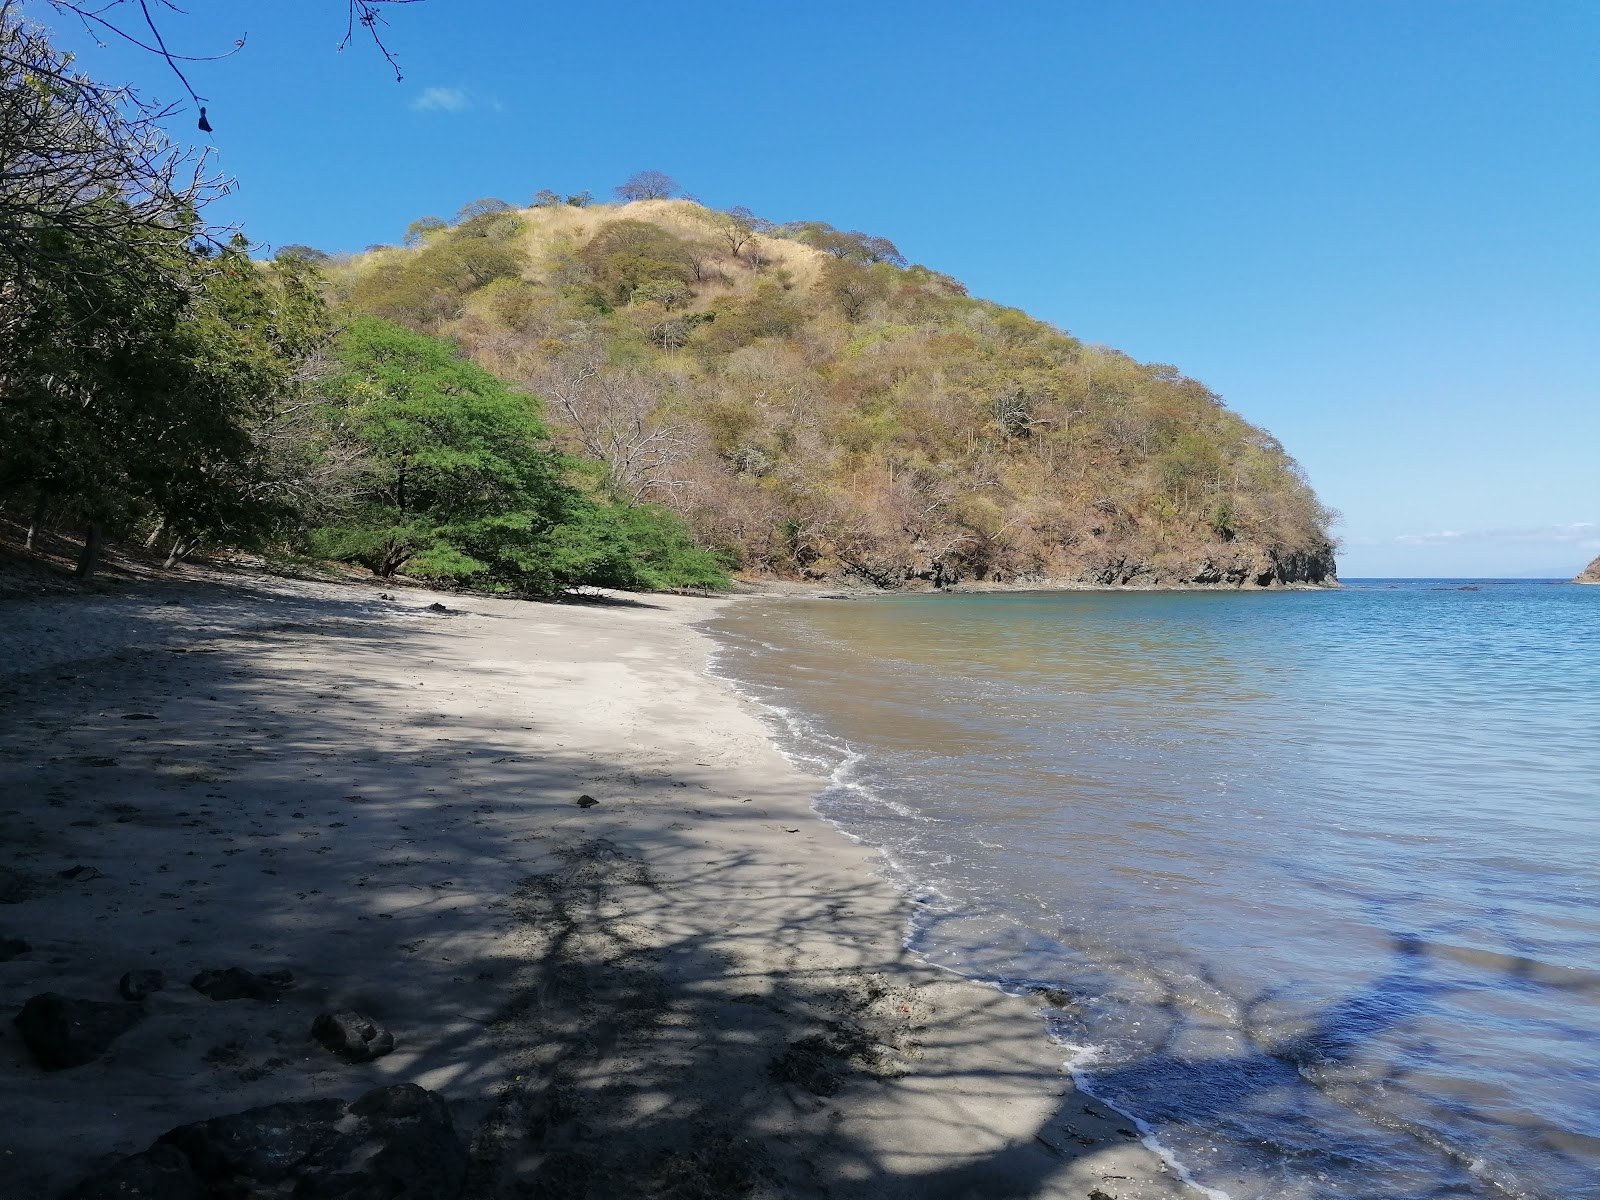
154, 534
89, 560
177, 552
391, 562
36, 521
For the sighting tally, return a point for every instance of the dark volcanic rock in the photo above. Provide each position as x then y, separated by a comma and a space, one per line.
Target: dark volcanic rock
394, 1143
160, 1173
236, 983
264, 1145
12, 948
352, 1036
405, 1148
136, 985
1238, 567
61, 1032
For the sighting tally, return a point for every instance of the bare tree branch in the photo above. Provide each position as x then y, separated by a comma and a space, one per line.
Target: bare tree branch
616, 417
83, 161
366, 14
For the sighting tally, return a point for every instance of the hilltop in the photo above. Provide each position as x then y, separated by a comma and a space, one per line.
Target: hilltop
1590, 574
817, 408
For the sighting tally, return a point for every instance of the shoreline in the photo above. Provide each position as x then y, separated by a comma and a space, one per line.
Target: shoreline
801, 590
695, 982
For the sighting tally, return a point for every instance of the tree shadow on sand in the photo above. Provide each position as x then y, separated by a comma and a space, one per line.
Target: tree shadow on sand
683, 1022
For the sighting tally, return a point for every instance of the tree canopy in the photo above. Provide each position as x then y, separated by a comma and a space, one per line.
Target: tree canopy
156, 384
814, 405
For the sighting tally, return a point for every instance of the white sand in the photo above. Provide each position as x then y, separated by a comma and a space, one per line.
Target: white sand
702, 993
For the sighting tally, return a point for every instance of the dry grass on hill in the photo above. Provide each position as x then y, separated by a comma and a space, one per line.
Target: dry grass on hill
816, 409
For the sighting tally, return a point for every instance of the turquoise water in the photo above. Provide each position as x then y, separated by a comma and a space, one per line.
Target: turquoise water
1318, 872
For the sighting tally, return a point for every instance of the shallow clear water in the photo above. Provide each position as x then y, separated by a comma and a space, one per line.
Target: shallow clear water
1319, 870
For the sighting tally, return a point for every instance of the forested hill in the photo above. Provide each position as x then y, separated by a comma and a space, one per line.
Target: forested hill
817, 408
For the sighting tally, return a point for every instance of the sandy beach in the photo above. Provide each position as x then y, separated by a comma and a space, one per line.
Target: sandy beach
538, 844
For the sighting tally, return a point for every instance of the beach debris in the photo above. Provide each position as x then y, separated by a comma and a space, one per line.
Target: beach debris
61, 1032
138, 985
13, 948
586, 801
1097, 1194
437, 607
814, 1063
394, 1141
791, 829
139, 716
352, 1036
235, 983
79, 874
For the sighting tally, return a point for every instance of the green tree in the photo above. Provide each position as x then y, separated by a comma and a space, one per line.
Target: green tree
637, 547
143, 414
457, 477
457, 480
853, 287
628, 255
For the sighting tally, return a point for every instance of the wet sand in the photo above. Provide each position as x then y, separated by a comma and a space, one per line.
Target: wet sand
690, 987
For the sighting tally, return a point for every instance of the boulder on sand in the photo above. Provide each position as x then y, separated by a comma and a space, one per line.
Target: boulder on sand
351, 1036
61, 1032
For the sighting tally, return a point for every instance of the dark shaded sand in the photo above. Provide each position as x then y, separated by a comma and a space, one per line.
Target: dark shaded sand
687, 986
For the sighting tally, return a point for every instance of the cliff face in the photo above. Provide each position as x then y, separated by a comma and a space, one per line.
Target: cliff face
1273, 566
1590, 574
1218, 565
818, 409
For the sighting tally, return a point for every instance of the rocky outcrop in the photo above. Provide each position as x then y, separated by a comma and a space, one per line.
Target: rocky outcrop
1221, 565
1590, 574
395, 1143
1244, 568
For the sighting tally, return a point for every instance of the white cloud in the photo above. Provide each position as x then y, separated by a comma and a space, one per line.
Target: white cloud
1576, 533
442, 99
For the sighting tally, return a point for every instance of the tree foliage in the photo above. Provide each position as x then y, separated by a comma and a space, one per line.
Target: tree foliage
457, 480
155, 383
630, 255
814, 406
454, 469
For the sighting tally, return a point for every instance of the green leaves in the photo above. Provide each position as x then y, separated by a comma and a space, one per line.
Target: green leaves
458, 480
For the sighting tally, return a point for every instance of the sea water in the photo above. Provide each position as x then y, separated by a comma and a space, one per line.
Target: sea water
1315, 876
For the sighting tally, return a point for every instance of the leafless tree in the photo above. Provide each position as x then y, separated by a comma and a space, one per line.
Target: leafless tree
81, 160
616, 416
648, 185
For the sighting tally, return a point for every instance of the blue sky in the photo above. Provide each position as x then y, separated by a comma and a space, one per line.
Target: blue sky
1371, 226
